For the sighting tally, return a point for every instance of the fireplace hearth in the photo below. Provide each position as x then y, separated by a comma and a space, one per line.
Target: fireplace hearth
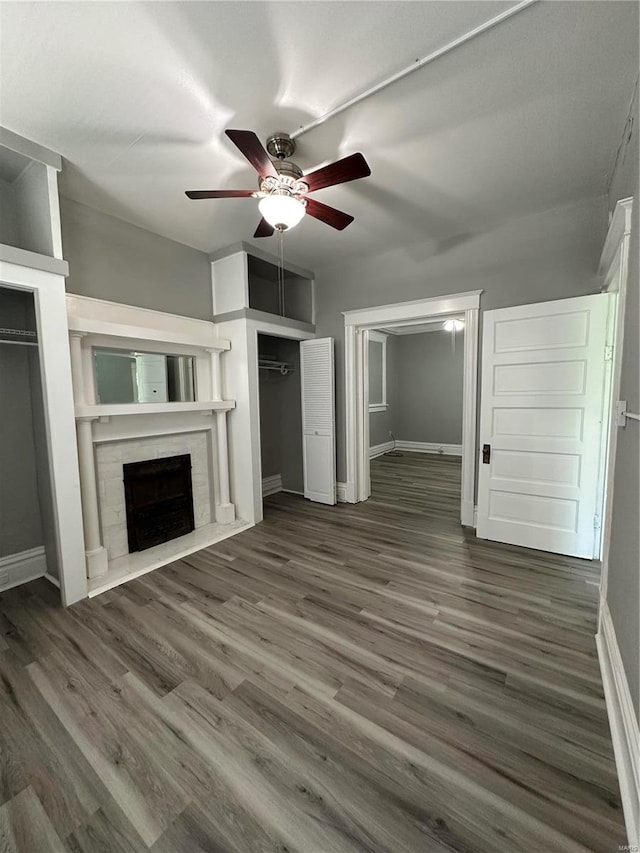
159, 500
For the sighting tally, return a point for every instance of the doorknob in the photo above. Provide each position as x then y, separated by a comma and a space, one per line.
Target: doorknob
486, 454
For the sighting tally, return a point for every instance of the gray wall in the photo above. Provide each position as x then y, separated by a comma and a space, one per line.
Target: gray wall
624, 557
112, 259
429, 385
281, 414
20, 521
9, 226
549, 255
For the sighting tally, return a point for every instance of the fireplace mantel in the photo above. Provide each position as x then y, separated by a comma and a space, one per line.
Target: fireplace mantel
108, 411
95, 322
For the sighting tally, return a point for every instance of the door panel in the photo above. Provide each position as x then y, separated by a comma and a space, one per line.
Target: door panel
318, 420
543, 370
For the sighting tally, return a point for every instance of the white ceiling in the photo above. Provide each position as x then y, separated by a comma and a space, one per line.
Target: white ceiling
136, 96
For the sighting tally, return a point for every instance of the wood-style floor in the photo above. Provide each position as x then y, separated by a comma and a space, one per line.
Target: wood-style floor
337, 679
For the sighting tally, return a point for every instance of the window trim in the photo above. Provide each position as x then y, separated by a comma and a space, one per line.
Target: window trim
381, 338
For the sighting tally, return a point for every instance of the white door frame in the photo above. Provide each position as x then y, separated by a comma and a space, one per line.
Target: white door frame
613, 272
55, 370
356, 325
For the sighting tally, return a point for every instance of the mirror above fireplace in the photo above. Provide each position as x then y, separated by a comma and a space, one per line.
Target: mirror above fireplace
126, 376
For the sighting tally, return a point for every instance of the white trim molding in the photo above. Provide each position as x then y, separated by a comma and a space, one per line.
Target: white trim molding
20, 568
357, 325
619, 228
380, 449
625, 733
613, 272
271, 485
344, 491
380, 338
115, 319
429, 447
416, 311
55, 372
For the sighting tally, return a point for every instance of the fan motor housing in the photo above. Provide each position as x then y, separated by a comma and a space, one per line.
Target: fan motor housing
288, 169
281, 145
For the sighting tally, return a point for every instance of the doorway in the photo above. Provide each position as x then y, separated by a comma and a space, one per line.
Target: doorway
281, 434
27, 540
416, 383
402, 315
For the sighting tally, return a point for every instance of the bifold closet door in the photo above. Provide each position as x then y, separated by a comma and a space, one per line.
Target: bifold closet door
318, 420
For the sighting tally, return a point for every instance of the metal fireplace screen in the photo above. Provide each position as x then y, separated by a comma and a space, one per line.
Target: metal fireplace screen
159, 500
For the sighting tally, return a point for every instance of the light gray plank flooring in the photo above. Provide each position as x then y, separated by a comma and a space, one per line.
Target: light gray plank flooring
335, 680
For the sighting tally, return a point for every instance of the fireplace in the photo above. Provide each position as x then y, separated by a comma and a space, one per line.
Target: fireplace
159, 500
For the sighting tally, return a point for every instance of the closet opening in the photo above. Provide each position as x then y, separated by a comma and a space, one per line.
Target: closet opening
280, 415
27, 529
415, 402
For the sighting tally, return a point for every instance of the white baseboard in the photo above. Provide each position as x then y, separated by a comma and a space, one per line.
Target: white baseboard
342, 493
625, 733
429, 447
52, 579
19, 568
380, 449
271, 485
292, 492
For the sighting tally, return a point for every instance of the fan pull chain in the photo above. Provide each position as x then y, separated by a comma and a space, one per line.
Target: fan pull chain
281, 271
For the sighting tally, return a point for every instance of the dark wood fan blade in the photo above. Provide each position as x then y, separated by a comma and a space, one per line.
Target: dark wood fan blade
251, 147
220, 193
264, 229
341, 172
334, 218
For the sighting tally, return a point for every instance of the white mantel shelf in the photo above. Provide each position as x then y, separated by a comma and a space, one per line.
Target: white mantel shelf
106, 411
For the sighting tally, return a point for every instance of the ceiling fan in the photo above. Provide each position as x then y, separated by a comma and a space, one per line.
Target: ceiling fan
283, 188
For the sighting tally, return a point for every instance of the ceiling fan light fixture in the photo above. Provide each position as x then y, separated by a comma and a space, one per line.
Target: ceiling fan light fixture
453, 325
281, 210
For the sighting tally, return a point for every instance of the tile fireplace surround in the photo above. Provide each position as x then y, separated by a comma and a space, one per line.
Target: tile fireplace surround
111, 456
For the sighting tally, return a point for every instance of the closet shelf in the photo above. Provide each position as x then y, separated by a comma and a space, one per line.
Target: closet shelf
22, 337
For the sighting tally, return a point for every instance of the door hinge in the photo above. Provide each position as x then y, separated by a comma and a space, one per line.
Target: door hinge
596, 521
608, 352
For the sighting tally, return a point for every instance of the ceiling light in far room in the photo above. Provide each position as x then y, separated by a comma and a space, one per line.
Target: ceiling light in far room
453, 325
281, 210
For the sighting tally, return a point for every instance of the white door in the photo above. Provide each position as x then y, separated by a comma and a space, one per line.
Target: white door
543, 377
318, 420
151, 378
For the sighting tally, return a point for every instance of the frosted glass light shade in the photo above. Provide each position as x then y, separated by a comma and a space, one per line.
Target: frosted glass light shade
453, 325
281, 211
